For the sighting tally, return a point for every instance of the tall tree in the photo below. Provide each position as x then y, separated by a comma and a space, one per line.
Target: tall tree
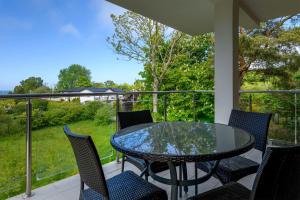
31, 85
192, 69
73, 77
110, 84
144, 40
271, 50
83, 81
98, 85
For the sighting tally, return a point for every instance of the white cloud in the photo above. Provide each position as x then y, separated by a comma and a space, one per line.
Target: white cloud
70, 29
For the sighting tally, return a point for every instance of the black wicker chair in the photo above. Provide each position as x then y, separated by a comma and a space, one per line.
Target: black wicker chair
127, 119
235, 168
278, 178
125, 186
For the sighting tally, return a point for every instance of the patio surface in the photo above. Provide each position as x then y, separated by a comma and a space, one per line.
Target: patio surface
68, 189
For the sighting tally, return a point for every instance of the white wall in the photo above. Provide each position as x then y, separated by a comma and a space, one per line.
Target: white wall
84, 99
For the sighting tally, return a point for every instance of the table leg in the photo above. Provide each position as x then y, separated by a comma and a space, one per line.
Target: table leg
196, 176
184, 169
145, 171
180, 179
174, 183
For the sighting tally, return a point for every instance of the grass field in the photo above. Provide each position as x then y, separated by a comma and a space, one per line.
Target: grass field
53, 158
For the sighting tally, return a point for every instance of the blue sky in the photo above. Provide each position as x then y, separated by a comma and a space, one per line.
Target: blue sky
40, 37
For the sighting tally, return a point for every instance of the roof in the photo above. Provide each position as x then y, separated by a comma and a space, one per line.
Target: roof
93, 89
197, 16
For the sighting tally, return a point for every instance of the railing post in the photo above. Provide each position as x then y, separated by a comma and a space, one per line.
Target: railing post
296, 120
250, 103
194, 106
165, 107
28, 192
117, 123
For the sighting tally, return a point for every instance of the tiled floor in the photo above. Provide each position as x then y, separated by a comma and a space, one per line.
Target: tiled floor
68, 189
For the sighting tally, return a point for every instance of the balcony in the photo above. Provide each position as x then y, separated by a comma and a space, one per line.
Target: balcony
51, 165
68, 189
39, 158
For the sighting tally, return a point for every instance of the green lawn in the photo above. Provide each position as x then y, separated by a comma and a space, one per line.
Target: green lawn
53, 158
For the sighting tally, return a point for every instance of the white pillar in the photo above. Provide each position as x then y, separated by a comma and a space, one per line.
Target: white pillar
226, 24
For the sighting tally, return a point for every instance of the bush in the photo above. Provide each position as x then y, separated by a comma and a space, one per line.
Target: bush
7, 105
38, 119
104, 115
91, 109
19, 108
40, 104
10, 126
74, 113
64, 113
45, 113
54, 117
76, 100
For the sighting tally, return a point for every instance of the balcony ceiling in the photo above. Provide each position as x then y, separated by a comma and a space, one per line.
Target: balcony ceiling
197, 16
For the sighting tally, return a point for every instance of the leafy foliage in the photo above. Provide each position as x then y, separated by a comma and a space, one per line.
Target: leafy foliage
31, 85
149, 42
45, 114
74, 76
104, 116
191, 70
271, 50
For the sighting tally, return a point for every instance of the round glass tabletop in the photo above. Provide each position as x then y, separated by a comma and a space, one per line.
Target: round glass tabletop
182, 141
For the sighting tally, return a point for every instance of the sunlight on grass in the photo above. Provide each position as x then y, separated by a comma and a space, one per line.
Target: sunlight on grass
53, 158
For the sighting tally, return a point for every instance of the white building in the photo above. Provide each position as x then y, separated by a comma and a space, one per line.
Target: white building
93, 90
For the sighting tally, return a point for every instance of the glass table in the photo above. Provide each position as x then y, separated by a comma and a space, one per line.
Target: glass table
174, 142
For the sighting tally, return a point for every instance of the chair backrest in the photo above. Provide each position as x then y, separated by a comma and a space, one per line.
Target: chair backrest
89, 165
127, 119
278, 177
254, 123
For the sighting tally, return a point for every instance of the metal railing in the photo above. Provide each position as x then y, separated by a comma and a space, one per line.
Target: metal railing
165, 101
29, 97
293, 98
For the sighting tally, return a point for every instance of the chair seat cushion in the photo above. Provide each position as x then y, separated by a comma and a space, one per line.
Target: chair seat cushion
232, 169
230, 191
128, 186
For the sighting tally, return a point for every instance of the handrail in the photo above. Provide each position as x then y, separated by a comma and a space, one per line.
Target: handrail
78, 94
271, 91
29, 97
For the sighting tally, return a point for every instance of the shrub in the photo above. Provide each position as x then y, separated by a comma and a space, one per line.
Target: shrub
91, 109
73, 113
19, 108
38, 119
40, 104
7, 105
54, 117
5, 120
9, 125
104, 115
45, 113
76, 100
62, 113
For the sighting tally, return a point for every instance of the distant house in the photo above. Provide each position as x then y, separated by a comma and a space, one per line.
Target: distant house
92, 90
